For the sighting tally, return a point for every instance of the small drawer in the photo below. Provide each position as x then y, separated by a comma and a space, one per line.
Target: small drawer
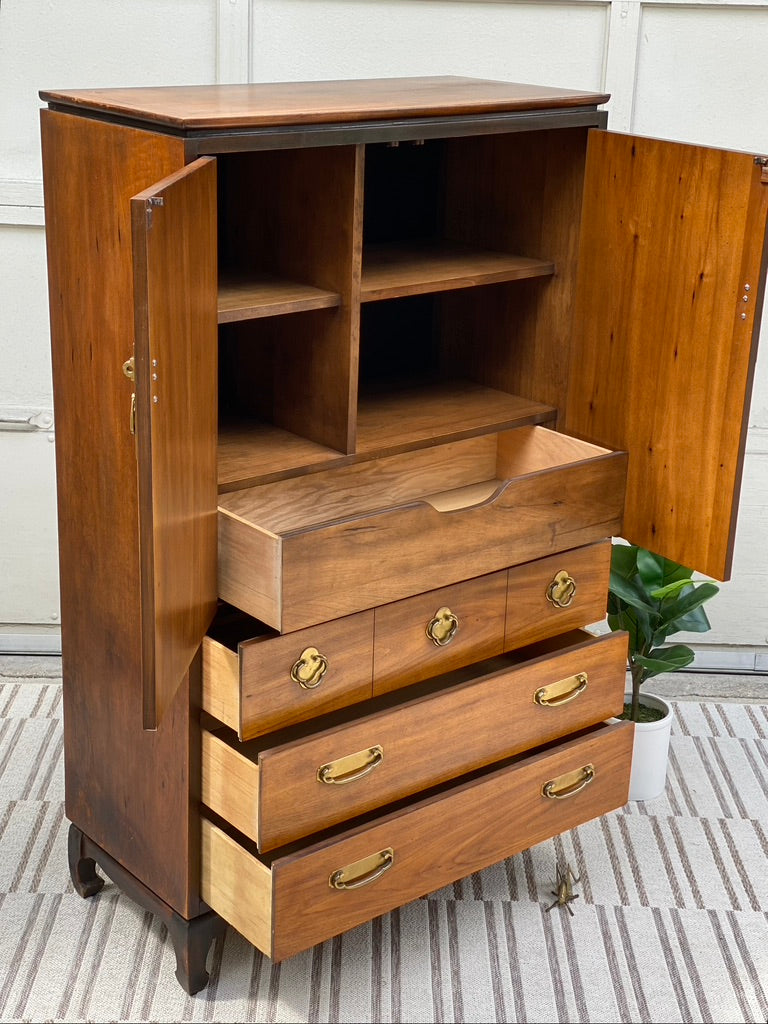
268, 681
432, 633
290, 902
551, 595
291, 786
307, 549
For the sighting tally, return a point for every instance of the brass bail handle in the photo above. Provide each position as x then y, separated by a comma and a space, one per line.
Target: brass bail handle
309, 669
363, 872
352, 767
129, 369
568, 784
442, 628
561, 692
562, 590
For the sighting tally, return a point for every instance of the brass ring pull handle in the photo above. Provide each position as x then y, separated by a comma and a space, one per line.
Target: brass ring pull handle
443, 627
561, 692
309, 670
350, 768
363, 872
562, 590
569, 784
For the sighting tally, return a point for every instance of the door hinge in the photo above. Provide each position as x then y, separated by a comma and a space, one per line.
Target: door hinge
762, 163
152, 202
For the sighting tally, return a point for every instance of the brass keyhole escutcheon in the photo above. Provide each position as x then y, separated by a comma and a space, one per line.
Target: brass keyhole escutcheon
562, 590
443, 627
310, 668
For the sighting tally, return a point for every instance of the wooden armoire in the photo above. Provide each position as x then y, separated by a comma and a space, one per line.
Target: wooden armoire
354, 383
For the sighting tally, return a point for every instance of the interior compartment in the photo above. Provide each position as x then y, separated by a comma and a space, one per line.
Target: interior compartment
359, 530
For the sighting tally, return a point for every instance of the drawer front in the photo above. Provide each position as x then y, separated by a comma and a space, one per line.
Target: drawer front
326, 778
305, 550
552, 595
278, 680
444, 629
306, 897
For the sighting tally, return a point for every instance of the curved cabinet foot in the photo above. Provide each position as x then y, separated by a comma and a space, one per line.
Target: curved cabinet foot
191, 942
82, 869
191, 939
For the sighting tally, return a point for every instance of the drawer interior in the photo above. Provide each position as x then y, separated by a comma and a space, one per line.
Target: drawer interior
447, 477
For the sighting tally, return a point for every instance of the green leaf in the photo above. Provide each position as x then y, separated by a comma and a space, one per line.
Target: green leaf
674, 610
670, 588
665, 659
624, 560
694, 622
673, 572
629, 592
650, 568
626, 620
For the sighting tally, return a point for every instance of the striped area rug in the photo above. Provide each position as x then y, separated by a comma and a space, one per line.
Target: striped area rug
671, 923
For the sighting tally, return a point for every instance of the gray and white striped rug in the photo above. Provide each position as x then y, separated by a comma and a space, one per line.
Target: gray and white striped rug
671, 923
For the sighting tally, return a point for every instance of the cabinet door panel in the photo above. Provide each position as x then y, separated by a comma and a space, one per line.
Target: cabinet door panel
664, 339
175, 282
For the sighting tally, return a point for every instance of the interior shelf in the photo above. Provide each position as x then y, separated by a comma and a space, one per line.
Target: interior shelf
256, 452
415, 268
242, 298
253, 452
398, 420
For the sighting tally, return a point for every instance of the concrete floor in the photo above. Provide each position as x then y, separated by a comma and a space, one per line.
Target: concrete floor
717, 686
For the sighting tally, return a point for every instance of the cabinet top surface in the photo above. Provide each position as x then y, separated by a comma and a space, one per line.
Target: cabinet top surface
210, 107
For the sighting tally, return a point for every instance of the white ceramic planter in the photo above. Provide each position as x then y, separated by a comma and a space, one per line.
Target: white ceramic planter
648, 777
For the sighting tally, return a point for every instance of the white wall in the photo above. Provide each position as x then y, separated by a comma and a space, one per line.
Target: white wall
692, 71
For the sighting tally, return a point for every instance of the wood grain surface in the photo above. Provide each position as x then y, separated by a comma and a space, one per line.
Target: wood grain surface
662, 360
127, 789
436, 737
174, 247
258, 105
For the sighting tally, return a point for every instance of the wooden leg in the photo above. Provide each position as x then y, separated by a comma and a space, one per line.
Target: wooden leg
191, 939
82, 869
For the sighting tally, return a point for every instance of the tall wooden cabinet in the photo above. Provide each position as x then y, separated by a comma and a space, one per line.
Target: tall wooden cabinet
351, 380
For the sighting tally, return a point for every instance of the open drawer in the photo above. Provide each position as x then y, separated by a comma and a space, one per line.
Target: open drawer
307, 549
285, 786
297, 898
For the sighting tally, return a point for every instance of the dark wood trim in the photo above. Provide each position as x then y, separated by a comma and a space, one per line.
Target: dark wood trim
191, 939
205, 143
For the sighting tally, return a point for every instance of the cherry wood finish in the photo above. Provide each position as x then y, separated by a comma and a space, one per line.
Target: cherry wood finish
303, 103
251, 690
391, 271
287, 905
126, 788
374, 535
404, 653
427, 739
531, 616
174, 250
246, 298
663, 369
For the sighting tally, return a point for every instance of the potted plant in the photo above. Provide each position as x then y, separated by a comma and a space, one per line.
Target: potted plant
652, 598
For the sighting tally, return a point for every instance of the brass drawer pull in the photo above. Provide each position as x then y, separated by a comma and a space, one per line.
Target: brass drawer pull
309, 670
561, 692
363, 872
562, 590
350, 768
569, 784
443, 627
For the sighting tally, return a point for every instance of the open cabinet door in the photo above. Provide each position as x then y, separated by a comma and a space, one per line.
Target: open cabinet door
666, 318
175, 284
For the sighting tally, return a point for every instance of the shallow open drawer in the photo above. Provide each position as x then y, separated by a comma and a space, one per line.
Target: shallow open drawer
301, 897
287, 785
311, 548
